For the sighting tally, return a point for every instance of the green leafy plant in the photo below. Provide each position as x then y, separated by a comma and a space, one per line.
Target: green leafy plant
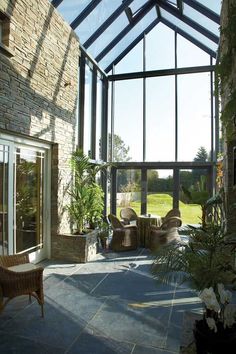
203, 262
87, 197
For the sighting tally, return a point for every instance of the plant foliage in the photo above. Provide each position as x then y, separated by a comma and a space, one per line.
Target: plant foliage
203, 262
87, 197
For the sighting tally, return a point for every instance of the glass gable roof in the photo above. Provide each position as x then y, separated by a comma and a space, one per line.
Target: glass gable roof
108, 30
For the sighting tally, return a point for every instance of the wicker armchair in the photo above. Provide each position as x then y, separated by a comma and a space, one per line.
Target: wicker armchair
172, 212
128, 215
125, 237
166, 233
20, 277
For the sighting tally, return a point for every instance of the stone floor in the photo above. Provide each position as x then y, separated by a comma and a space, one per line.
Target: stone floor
111, 305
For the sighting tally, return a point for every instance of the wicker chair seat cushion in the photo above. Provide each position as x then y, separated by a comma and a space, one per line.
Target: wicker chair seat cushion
23, 267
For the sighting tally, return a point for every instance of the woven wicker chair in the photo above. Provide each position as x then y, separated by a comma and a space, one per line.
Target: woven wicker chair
19, 277
166, 233
172, 212
125, 237
128, 215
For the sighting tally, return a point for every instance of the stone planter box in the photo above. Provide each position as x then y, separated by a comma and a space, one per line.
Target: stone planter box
76, 248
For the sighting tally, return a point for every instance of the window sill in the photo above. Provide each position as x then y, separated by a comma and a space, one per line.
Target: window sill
6, 51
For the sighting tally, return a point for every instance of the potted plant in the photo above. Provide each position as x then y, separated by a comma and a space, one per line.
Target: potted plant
85, 210
87, 197
206, 262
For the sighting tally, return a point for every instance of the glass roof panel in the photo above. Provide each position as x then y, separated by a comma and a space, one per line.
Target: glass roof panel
71, 9
201, 19
108, 35
214, 5
189, 30
124, 43
93, 21
136, 5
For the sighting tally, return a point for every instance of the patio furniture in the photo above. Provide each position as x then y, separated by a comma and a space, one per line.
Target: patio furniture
172, 212
145, 222
20, 277
125, 237
166, 233
128, 215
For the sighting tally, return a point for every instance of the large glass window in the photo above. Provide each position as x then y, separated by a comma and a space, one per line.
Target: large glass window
194, 191
99, 119
198, 57
159, 191
133, 61
160, 48
194, 115
87, 110
160, 126
128, 121
128, 190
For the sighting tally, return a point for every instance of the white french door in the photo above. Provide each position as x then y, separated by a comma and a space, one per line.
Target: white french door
24, 198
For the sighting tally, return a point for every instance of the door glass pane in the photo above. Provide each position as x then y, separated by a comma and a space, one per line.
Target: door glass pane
4, 168
128, 190
29, 171
194, 191
159, 191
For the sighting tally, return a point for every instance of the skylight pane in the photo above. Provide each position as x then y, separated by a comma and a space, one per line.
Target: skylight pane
189, 30
94, 20
201, 19
71, 9
214, 5
129, 38
108, 35
136, 5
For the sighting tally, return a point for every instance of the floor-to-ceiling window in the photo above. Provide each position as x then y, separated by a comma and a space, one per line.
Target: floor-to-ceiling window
164, 122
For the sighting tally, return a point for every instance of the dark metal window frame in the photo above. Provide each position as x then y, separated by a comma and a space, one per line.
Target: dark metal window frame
176, 167
159, 4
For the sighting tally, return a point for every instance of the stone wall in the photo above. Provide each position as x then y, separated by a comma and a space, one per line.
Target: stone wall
230, 136
38, 88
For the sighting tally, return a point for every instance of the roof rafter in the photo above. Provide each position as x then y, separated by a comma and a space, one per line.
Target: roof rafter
188, 21
188, 37
56, 3
180, 6
107, 23
80, 18
203, 10
150, 4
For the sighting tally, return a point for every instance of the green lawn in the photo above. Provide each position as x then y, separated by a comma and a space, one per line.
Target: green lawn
160, 204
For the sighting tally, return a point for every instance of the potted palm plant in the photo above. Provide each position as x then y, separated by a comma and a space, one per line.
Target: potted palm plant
87, 197
206, 263
85, 210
